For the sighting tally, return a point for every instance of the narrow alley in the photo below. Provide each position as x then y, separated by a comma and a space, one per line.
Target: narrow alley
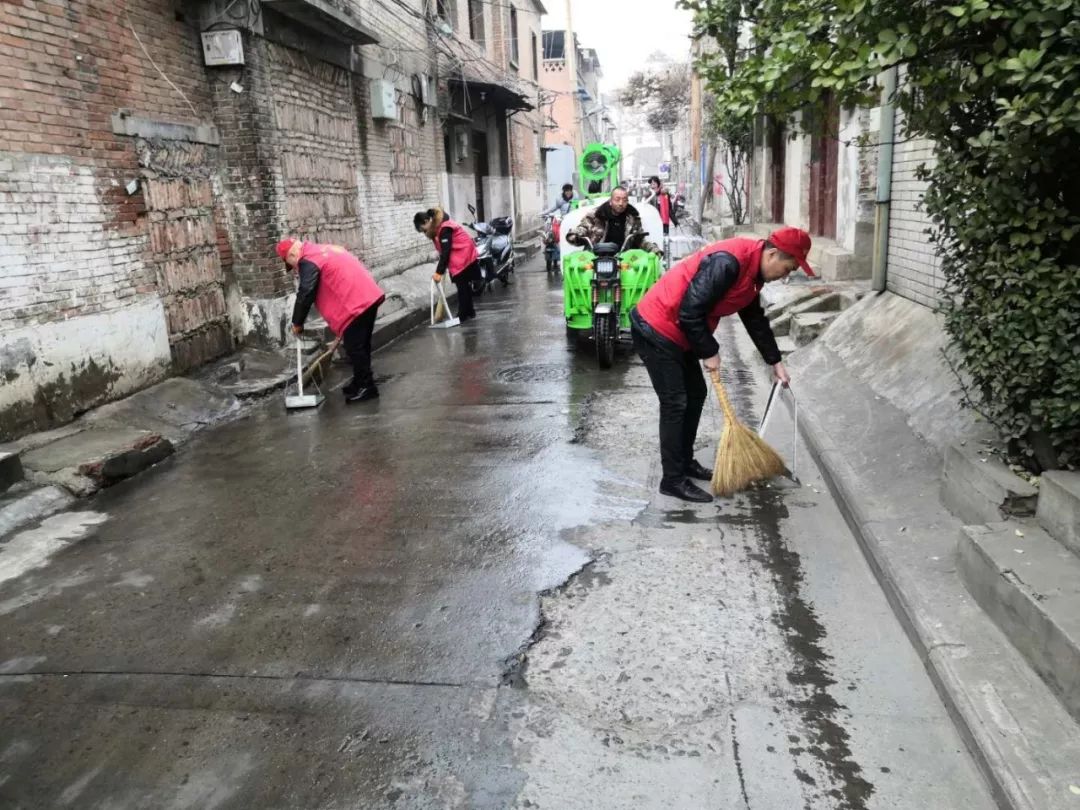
467, 594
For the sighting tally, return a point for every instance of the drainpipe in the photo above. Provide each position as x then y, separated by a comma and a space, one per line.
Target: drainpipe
884, 181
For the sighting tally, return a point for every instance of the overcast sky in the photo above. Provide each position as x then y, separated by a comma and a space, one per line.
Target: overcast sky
624, 32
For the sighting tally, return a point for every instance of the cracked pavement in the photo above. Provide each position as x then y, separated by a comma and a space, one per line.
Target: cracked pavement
467, 594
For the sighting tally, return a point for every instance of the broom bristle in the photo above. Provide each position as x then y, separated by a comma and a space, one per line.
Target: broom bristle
440, 310
742, 458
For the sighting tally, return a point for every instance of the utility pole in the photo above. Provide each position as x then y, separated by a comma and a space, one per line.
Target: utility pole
572, 68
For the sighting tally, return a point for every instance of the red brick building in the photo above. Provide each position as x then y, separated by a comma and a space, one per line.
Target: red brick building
144, 178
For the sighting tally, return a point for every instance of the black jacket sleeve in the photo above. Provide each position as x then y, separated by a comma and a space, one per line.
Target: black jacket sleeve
305, 295
753, 318
446, 244
716, 275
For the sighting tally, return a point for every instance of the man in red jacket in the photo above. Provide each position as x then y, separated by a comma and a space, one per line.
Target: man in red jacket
347, 297
673, 324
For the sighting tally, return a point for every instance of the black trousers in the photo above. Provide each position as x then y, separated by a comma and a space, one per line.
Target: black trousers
676, 376
357, 342
466, 308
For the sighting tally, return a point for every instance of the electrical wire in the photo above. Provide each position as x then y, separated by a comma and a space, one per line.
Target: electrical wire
194, 112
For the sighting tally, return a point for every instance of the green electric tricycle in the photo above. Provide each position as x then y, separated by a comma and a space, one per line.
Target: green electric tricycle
600, 287
603, 282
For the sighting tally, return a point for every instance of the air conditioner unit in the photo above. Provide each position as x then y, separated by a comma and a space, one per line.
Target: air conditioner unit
383, 100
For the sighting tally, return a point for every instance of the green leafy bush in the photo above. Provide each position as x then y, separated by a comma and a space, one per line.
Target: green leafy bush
996, 85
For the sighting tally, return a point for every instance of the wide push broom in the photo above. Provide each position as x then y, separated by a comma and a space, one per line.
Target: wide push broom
742, 457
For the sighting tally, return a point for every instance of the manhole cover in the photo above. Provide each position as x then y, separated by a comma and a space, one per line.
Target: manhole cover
541, 372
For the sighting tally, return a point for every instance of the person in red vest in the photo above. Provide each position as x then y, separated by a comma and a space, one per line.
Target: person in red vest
672, 328
347, 297
457, 253
661, 199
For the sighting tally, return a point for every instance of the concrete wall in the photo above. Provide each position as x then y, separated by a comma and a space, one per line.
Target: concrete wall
913, 268
797, 181
563, 109
857, 184
55, 370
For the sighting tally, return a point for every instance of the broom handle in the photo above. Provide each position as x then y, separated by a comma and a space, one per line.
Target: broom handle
310, 371
721, 394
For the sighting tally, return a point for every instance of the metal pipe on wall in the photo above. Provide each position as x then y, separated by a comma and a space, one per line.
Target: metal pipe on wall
886, 138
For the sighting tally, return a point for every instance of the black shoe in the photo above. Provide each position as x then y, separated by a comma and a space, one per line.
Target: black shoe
685, 490
464, 318
695, 470
350, 388
371, 392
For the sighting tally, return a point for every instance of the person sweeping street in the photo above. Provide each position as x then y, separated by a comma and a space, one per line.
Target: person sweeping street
672, 329
347, 297
457, 254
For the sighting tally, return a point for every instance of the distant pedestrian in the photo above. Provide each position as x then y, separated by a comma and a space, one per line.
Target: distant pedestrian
457, 254
672, 328
662, 201
347, 297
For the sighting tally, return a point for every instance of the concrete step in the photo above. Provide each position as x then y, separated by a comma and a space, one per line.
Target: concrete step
11, 470
808, 326
29, 505
1059, 507
97, 457
781, 325
978, 488
1029, 584
786, 345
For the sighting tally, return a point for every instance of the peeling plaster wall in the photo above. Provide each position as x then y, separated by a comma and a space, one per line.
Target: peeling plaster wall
52, 372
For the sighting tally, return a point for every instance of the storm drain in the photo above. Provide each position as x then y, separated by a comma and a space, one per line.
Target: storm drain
536, 373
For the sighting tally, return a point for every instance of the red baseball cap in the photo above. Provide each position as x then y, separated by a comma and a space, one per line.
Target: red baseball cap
284, 246
795, 242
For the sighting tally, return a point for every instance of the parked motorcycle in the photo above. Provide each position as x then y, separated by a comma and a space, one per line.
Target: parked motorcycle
552, 233
495, 247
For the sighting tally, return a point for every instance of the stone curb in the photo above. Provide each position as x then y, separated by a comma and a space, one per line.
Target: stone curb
861, 525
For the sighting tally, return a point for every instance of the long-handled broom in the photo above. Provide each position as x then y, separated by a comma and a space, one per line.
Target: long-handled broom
742, 457
315, 368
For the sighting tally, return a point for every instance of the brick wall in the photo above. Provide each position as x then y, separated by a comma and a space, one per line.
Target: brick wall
913, 268
75, 243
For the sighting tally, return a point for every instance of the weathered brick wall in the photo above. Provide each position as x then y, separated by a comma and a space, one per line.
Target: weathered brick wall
304, 157
913, 268
400, 162
75, 244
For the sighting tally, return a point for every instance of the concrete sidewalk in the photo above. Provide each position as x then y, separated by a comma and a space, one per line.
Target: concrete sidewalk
877, 407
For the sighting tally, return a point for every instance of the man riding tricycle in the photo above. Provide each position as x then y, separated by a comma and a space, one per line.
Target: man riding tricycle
604, 280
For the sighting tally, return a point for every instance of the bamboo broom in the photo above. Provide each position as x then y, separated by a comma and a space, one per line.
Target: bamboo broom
315, 367
742, 457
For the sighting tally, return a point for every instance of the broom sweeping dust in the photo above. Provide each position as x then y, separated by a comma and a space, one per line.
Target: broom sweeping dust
742, 456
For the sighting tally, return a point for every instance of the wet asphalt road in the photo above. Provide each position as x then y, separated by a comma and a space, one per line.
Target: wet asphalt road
467, 594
